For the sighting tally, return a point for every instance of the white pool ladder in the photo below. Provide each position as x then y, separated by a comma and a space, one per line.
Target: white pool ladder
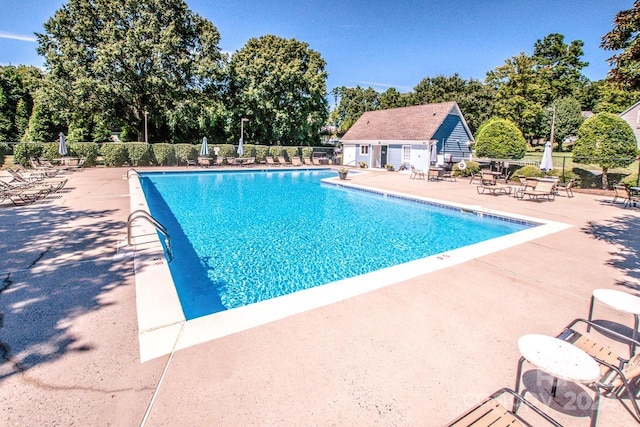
161, 228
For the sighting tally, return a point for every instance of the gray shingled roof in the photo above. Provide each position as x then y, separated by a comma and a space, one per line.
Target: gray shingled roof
418, 122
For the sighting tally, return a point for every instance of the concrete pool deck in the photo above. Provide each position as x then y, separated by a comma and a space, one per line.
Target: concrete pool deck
415, 353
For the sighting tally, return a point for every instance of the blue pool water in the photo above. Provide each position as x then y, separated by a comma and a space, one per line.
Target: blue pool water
243, 237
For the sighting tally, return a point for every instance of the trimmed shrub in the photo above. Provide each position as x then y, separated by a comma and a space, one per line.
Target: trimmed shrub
114, 154
529, 171
50, 150
262, 151
226, 150
89, 151
249, 150
276, 150
291, 152
139, 153
26, 150
164, 154
307, 152
472, 167
500, 139
184, 152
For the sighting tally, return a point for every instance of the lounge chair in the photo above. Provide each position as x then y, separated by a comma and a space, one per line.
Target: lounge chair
270, 161
416, 173
474, 176
231, 161
283, 161
46, 170
449, 174
295, 161
204, 161
219, 161
567, 187
22, 194
316, 161
617, 372
490, 412
308, 162
623, 192
54, 183
544, 188
77, 166
504, 178
250, 161
61, 167
494, 189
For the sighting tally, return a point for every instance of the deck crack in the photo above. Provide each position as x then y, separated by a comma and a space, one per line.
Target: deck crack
52, 387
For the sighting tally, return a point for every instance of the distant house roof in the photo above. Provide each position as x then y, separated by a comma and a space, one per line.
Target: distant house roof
415, 123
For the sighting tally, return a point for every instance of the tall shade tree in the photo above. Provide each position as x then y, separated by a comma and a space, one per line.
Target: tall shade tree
559, 65
614, 99
624, 36
17, 86
520, 94
606, 140
391, 98
353, 103
568, 118
280, 86
113, 60
500, 139
474, 98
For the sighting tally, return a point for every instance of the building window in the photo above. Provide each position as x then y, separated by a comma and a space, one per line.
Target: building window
364, 149
406, 154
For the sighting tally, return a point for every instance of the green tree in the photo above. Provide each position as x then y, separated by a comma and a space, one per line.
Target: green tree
391, 98
280, 86
500, 139
17, 85
474, 98
520, 94
607, 140
112, 61
45, 122
568, 118
559, 65
625, 37
353, 103
614, 99
5, 118
21, 118
589, 95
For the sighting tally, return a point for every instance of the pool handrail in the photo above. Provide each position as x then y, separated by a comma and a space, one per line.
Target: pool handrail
140, 213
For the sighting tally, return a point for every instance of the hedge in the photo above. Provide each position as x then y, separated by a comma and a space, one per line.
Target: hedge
164, 154
184, 152
114, 154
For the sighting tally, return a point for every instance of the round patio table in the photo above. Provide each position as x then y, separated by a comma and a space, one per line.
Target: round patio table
618, 300
561, 360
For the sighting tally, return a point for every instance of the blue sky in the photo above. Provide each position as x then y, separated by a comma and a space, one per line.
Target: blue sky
380, 44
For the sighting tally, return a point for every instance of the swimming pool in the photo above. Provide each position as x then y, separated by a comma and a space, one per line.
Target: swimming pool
249, 236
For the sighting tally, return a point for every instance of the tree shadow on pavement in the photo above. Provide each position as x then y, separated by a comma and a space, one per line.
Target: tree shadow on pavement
57, 265
621, 232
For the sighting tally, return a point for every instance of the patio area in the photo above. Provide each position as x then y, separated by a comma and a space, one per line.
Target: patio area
416, 353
